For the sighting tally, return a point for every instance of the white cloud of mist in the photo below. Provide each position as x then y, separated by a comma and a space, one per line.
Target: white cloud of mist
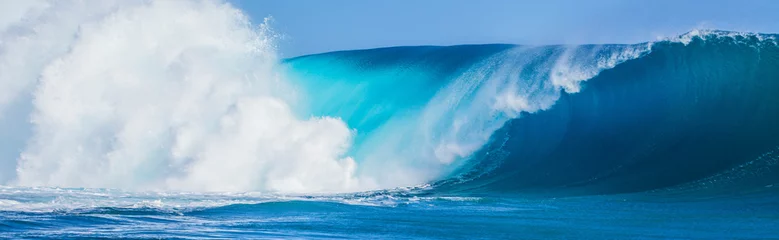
166, 95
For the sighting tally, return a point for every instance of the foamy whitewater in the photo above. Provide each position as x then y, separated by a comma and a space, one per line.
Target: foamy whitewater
159, 95
177, 119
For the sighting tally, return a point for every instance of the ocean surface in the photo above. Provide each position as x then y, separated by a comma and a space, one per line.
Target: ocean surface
123, 121
401, 213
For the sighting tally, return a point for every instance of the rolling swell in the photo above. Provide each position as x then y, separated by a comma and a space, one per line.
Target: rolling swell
697, 112
706, 109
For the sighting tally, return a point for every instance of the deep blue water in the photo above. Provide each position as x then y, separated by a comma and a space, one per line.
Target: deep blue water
671, 139
397, 215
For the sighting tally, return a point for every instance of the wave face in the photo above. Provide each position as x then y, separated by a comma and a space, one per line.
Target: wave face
697, 112
702, 111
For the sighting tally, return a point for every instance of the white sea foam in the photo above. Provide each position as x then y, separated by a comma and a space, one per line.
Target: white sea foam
708, 34
74, 200
169, 95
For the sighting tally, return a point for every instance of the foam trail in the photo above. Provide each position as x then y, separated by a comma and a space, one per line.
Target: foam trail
164, 95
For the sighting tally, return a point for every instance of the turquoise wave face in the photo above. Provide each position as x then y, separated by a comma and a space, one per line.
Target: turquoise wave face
387, 97
700, 109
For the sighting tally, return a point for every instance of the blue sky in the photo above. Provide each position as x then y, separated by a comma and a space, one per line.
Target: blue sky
312, 26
